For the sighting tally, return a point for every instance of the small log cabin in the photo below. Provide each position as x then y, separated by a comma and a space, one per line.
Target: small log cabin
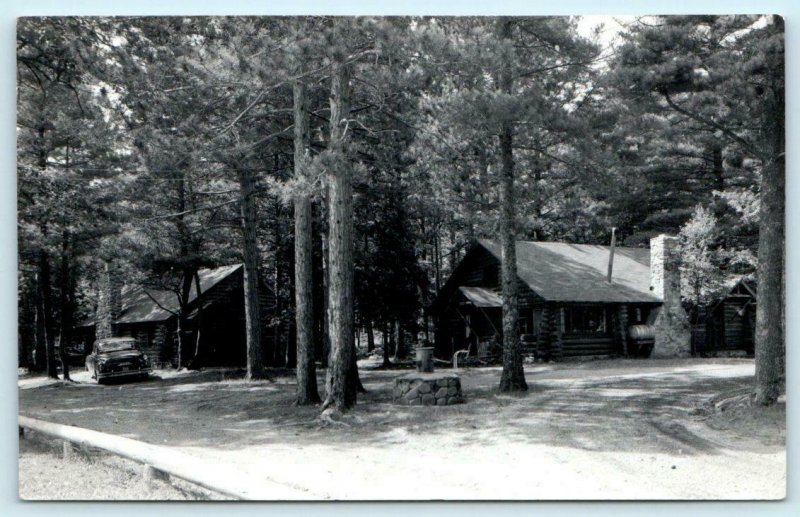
149, 315
568, 308
728, 324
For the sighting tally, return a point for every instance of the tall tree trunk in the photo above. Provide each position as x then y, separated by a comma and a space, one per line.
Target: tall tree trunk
278, 357
354, 381
26, 325
47, 313
386, 346
307, 392
453, 246
400, 350
370, 336
183, 312
40, 328
437, 259
341, 393
326, 283
319, 286
66, 306
769, 345
196, 361
255, 353
291, 342
513, 376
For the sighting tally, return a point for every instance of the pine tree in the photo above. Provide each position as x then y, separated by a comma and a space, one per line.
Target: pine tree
726, 74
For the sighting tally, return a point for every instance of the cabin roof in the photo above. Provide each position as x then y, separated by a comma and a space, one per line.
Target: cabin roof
563, 272
741, 285
481, 296
140, 304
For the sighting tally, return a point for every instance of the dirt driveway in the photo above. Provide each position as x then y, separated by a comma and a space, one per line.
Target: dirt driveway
616, 429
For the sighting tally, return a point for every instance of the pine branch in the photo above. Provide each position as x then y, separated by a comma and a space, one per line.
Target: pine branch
158, 304
199, 209
708, 122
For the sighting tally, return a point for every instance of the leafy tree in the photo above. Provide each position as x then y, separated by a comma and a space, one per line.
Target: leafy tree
701, 258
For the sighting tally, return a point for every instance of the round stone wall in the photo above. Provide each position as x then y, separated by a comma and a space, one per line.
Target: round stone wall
428, 389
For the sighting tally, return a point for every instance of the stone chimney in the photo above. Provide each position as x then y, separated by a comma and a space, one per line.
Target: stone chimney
109, 301
672, 332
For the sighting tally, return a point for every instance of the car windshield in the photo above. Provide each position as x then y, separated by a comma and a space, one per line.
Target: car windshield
116, 346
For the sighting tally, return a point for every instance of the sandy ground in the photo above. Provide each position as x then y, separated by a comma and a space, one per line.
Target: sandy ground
615, 429
90, 475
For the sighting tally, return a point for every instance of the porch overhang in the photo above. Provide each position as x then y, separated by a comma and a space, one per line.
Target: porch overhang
481, 297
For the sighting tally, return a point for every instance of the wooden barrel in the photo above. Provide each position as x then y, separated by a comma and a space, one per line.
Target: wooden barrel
641, 332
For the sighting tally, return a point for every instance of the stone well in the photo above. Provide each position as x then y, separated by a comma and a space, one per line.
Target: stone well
428, 389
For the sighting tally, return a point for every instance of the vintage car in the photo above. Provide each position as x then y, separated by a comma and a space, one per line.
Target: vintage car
117, 357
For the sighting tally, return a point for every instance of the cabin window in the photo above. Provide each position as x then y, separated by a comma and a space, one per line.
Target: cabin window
585, 320
525, 323
529, 321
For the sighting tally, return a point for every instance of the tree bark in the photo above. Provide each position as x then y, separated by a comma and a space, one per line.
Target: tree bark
66, 305
255, 353
326, 282
318, 276
291, 342
307, 392
513, 376
437, 259
354, 381
278, 356
769, 344
196, 361
341, 395
47, 313
183, 302
40, 329
386, 346
400, 350
370, 336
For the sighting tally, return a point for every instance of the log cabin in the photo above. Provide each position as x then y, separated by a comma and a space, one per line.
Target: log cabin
727, 325
150, 315
574, 301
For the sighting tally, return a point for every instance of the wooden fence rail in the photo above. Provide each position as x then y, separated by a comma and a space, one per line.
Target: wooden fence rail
220, 478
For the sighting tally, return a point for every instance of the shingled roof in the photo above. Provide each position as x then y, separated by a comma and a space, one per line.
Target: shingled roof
562, 272
140, 304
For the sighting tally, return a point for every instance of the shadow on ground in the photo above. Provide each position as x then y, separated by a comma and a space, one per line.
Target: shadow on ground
615, 405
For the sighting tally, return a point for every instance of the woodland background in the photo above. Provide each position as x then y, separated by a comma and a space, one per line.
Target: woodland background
164, 145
